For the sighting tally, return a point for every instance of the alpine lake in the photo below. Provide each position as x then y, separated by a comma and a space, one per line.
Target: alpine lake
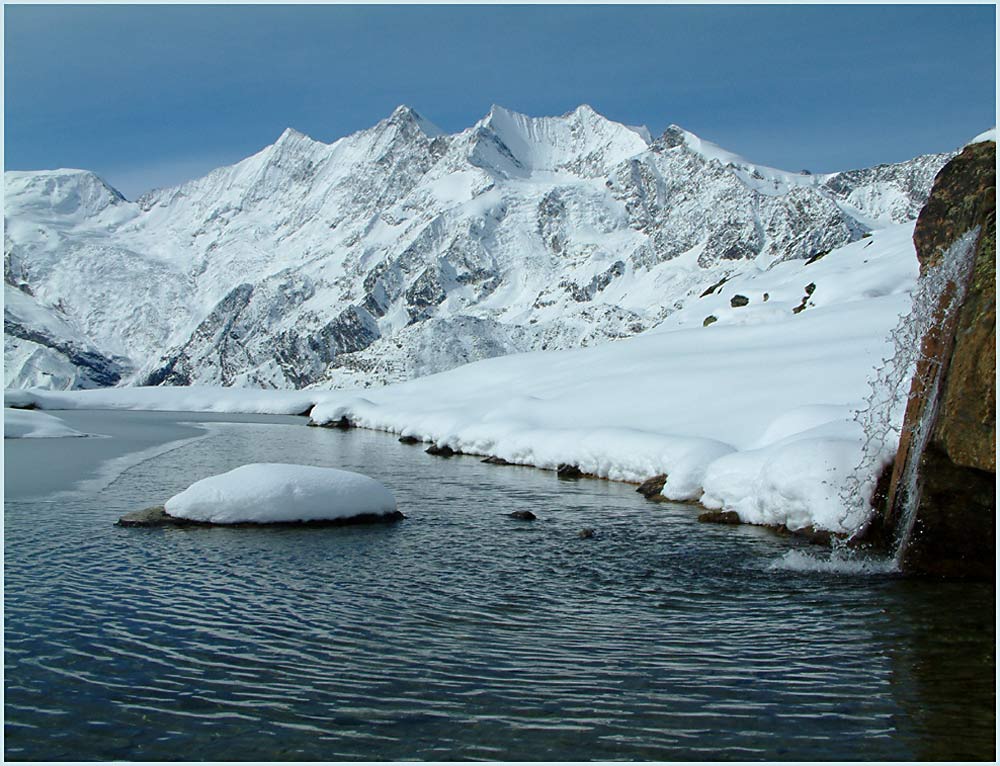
458, 633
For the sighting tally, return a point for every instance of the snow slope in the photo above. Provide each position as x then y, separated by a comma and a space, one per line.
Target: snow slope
400, 251
752, 413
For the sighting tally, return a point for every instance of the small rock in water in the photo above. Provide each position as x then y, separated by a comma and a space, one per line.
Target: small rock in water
568, 471
720, 517
343, 424
494, 460
409, 440
523, 515
586, 533
441, 450
155, 516
811, 534
653, 486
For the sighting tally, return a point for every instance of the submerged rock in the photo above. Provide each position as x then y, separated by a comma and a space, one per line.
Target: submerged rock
342, 423
442, 450
494, 460
815, 536
586, 533
523, 515
409, 440
157, 516
720, 517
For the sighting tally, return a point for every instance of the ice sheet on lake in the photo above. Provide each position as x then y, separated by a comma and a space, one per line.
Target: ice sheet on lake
31, 424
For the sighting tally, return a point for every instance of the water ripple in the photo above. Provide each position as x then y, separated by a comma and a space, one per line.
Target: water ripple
463, 634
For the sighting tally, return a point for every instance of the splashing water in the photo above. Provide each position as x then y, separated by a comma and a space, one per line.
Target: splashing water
955, 268
891, 386
837, 561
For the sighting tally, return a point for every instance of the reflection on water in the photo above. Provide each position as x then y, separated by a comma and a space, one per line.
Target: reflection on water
462, 633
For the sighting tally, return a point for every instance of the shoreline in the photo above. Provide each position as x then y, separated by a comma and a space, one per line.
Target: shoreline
293, 407
824, 538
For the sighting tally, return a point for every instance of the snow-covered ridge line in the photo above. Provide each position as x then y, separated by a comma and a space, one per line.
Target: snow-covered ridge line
399, 251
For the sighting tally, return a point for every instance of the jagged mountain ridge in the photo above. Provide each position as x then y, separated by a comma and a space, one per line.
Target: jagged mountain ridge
400, 250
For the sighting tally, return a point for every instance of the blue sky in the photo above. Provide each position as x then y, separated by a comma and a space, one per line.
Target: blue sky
152, 95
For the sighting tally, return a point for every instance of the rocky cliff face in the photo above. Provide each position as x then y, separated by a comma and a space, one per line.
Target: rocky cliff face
952, 499
400, 251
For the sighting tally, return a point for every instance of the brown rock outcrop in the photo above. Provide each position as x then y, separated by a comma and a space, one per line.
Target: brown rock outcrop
953, 527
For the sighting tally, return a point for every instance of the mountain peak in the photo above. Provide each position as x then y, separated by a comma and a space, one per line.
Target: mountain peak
66, 190
586, 111
404, 114
292, 136
582, 141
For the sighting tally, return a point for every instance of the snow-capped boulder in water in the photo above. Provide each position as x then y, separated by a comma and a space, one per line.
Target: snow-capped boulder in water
275, 493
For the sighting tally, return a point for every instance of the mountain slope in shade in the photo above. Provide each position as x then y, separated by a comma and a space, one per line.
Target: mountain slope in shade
401, 251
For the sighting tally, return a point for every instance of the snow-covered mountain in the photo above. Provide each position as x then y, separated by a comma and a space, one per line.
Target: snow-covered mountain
400, 251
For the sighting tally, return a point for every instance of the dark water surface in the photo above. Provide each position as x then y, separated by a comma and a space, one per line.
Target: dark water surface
458, 633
